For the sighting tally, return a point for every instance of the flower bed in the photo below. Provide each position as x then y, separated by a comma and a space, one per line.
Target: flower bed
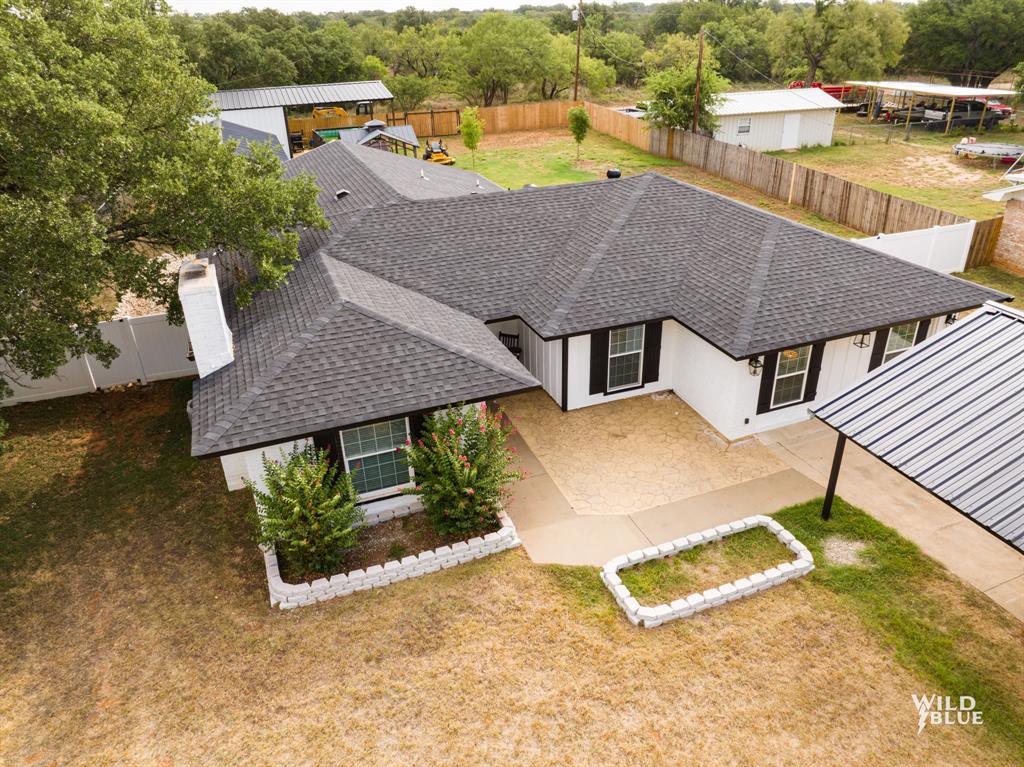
649, 617
291, 595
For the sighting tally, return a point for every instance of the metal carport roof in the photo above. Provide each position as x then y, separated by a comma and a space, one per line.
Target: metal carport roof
949, 415
301, 95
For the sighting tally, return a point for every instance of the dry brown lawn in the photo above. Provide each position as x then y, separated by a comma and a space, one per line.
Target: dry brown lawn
135, 630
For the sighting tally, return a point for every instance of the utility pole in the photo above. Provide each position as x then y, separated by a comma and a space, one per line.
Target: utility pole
696, 92
578, 13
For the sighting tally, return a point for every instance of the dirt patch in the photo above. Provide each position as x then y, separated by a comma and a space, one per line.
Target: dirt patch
844, 551
385, 542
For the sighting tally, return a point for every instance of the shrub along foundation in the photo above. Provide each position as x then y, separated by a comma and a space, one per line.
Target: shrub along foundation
288, 596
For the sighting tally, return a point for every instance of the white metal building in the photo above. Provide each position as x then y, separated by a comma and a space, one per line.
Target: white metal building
779, 119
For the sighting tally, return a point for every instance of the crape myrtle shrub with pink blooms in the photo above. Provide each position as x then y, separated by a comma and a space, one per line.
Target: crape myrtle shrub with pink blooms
309, 511
462, 467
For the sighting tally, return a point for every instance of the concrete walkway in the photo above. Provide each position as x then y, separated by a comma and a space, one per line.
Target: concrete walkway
553, 532
944, 534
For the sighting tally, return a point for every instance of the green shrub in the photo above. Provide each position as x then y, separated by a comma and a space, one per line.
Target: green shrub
308, 512
462, 468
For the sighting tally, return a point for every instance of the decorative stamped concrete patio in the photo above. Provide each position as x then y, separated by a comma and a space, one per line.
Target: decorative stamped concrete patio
628, 474
634, 454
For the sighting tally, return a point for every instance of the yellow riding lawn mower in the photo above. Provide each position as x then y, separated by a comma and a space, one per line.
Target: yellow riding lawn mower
329, 112
437, 152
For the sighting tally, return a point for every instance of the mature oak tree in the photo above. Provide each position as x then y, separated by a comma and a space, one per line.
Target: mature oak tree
105, 163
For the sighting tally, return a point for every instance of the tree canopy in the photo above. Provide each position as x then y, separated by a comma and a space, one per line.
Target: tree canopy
105, 163
971, 41
673, 97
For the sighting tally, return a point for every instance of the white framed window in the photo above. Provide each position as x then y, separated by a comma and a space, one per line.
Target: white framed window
743, 125
901, 338
791, 376
371, 456
625, 357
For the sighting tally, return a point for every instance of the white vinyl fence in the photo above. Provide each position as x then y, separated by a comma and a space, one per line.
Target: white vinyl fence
150, 350
942, 248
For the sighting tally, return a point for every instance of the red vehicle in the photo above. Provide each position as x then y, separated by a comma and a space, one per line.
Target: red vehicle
840, 92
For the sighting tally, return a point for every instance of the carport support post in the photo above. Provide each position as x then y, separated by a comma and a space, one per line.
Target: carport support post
833, 477
949, 117
906, 124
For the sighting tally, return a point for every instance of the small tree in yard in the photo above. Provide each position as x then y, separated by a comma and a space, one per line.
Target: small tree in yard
308, 511
672, 97
462, 468
579, 124
472, 130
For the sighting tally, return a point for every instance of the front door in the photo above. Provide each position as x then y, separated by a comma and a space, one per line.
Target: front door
791, 131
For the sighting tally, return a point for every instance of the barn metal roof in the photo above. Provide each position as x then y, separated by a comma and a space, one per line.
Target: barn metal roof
785, 100
301, 95
949, 415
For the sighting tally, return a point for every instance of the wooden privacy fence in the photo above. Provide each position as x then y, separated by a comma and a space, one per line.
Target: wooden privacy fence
500, 119
445, 122
834, 198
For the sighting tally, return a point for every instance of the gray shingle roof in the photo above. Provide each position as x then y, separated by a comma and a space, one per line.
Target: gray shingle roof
338, 346
301, 95
582, 257
245, 135
383, 314
949, 414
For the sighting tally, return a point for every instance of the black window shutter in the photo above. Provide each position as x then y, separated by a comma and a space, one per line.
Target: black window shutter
878, 350
764, 397
416, 426
599, 362
329, 441
652, 351
922, 331
813, 372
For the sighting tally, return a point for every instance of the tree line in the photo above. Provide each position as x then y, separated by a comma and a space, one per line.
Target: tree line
490, 57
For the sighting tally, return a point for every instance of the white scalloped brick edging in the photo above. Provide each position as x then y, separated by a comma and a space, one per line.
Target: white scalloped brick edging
649, 617
288, 596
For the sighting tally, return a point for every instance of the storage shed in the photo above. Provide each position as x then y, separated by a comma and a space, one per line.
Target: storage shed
780, 119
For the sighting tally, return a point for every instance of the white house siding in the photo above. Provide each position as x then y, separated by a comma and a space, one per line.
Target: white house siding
766, 130
705, 378
239, 467
267, 119
542, 358
579, 372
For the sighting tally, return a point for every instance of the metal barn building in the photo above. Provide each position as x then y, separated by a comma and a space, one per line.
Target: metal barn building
263, 109
779, 119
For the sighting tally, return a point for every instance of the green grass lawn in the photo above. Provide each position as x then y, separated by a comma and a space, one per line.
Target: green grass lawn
545, 158
922, 169
998, 279
951, 635
135, 629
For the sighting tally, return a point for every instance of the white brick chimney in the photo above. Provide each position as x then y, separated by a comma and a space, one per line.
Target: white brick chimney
204, 316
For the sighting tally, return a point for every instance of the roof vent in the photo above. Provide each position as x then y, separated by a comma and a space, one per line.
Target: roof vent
341, 193
529, 186
423, 175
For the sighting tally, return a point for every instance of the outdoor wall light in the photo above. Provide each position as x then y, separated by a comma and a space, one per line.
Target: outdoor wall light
754, 365
861, 341
950, 319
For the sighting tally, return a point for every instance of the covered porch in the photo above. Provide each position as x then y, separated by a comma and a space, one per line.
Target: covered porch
631, 473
